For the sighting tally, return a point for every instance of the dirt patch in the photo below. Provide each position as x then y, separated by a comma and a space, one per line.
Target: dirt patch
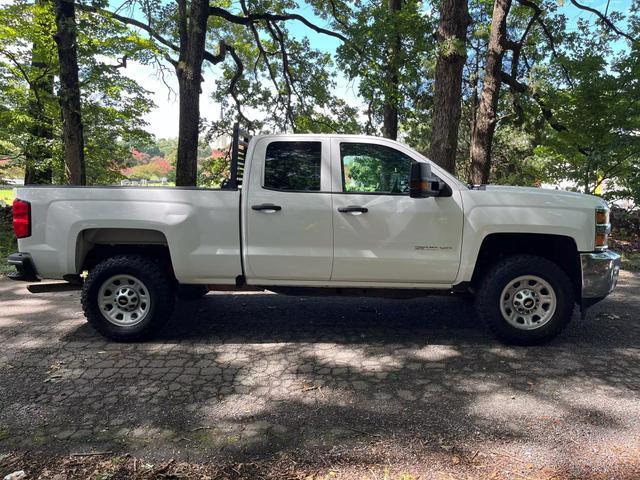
453, 464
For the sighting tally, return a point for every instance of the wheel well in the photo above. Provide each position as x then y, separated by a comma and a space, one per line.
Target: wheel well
559, 249
96, 244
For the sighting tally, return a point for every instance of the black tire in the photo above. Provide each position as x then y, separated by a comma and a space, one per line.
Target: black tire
191, 292
497, 280
159, 292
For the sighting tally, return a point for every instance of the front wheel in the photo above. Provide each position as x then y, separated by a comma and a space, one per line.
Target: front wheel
127, 297
525, 300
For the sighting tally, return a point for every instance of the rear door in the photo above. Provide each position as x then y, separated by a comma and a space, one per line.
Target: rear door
381, 234
288, 221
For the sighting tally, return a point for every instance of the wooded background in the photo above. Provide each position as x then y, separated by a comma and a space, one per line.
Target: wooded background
507, 91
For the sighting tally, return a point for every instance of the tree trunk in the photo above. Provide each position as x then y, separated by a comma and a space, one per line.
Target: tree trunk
475, 99
38, 152
193, 32
390, 107
487, 111
452, 37
72, 129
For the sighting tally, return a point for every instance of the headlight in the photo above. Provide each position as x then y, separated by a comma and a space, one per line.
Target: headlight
603, 227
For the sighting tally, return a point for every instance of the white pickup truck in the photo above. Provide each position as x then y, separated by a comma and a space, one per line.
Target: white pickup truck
321, 214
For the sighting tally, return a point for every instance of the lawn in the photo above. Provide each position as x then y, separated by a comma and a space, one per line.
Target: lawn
8, 242
6, 195
8, 245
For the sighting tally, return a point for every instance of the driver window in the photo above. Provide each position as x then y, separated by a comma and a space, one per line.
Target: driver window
370, 168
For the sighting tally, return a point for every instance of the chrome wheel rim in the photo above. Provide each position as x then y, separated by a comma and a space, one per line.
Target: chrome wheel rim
528, 302
124, 300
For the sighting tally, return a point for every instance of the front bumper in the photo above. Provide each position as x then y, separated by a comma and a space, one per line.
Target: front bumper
25, 270
600, 272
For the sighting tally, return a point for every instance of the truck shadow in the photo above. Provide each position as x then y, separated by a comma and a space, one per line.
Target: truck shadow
340, 381
267, 318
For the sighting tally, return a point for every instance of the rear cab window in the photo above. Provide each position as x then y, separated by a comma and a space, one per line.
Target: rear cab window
293, 166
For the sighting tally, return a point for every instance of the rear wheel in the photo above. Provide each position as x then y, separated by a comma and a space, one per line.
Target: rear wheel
127, 297
525, 300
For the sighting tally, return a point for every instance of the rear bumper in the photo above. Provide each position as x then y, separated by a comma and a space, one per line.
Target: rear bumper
600, 272
25, 270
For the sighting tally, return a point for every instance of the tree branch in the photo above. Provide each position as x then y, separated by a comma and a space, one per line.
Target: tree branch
213, 58
128, 21
520, 87
262, 53
604, 18
278, 37
538, 16
273, 17
334, 12
234, 80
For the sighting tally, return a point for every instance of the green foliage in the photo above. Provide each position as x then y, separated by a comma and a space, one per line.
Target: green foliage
373, 32
286, 84
8, 243
27, 59
578, 120
600, 116
371, 168
214, 170
6, 196
113, 105
514, 161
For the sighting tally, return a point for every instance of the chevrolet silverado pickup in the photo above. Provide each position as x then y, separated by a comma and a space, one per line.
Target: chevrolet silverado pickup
321, 215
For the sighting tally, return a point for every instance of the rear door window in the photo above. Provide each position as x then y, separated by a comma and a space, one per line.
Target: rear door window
293, 166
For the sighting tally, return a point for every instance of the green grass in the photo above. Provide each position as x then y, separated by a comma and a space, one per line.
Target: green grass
6, 195
8, 245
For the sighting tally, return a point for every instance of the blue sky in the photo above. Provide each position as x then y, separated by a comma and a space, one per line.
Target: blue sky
163, 121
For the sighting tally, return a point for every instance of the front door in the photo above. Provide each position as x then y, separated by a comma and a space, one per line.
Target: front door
380, 233
288, 222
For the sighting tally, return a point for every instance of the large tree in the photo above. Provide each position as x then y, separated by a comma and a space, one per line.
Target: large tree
112, 105
451, 55
487, 114
72, 129
33, 64
192, 27
189, 41
286, 86
532, 24
392, 71
595, 139
387, 54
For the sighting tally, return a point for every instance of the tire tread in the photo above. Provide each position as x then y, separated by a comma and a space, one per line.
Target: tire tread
513, 266
157, 280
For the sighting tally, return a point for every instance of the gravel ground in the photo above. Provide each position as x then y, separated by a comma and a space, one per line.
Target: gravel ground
330, 387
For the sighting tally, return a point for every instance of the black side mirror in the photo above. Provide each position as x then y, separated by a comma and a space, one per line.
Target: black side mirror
423, 183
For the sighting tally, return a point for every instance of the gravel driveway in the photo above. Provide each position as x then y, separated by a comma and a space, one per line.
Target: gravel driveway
344, 385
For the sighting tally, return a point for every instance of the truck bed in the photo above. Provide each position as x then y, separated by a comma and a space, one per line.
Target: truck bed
200, 225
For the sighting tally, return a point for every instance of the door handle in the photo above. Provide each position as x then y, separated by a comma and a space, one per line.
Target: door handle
353, 209
266, 208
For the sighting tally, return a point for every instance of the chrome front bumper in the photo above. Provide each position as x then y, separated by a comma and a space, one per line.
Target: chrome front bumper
599, 275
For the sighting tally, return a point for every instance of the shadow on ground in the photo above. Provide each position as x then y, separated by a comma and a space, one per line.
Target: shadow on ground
354, 383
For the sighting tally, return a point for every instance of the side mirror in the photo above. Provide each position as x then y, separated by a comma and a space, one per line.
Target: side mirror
423, 183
